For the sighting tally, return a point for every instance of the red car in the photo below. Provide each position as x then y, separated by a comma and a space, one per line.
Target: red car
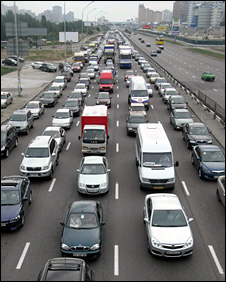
76, 67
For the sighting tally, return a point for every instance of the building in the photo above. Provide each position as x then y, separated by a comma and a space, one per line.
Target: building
217, 14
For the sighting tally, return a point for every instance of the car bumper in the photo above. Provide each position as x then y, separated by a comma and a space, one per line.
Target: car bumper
212, 176
93, 191
77, 254
169, 252
39, 174
8, 225
157, 186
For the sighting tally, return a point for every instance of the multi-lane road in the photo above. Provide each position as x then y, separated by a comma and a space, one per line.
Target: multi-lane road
124, 255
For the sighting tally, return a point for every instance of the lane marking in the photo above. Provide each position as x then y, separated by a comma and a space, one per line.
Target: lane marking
117, 106
116, 191
117, 147
68, 146
117, 123
214, 89
193, 76
220, 269
89, 95
117, 95
152, 107
23, 255
185, 188
116, 261
52, 184
77, 122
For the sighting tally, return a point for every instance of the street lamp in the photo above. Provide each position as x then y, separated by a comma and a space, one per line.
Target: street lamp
82, 20
87, 18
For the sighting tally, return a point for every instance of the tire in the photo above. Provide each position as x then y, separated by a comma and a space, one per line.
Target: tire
27, 132
32, 126
188, 145
51, 174
16, 143
200, 174
218, 197
192, 159
6, 152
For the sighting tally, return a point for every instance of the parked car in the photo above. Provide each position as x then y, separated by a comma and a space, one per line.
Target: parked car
133, 120
36, 65
9, 139
179, 117
209, 160
154, 53
208, 76
16, 196
36, 107
82, 229
73, 105
58, 133
176, 102
167, 226
49, 99
9, 62
63, 118
23, 120
41, 158
14, 57
6, 99
221, 189
93, 175
66, 269
103, 98
148, 44
161, 47
76, 94
196, 133
48, 67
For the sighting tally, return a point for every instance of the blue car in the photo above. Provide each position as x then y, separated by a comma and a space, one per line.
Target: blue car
209, 160
16, 196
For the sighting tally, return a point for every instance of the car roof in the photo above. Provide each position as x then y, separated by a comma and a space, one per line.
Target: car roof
181, 110
209, 148
62, 110
136, 114
21, 111
196, 124
39, 141
163, 201
93, 160
52, 128
83, 206
137, 104
13, 180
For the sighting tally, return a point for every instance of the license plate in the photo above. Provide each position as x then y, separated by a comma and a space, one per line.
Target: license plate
34, 174
173, 253
216, 176
158, 187
79, 255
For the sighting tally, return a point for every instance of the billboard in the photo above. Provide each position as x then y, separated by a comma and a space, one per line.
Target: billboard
175, 26
70, 36
161, 28
148, 26
90, 23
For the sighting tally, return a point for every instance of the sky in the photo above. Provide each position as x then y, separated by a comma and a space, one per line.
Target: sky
112, 10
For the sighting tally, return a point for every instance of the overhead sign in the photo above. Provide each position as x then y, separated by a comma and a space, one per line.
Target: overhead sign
70, 36
175, 26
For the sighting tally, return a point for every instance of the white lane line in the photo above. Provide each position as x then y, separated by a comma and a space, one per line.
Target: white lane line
117, 106
68, 146
220, 269
89, 95
193, 76
117, 87
117, 147
116, 191
23, 255
116, 261
117, 123
117, 95
214, 89
77, 122
185, 188
152, 107
52, 184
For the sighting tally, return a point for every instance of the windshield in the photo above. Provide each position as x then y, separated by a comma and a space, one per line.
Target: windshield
79, 58
103, 96
3, 136
129, 72
19, 117
71, 103
82, 220
168, 218
48, 95
160, 80
213, 156
10, 197
81, 86
157, 159
164, 86
137, 119
54, 88
178, 100
125, 56
51, 133
139, 93
137, 108
171, 92
32, 106
106, 81
198, 131
93, 135
75, 95
93, 169
58, 81
61, 115
182, 115
37, 153
3, 96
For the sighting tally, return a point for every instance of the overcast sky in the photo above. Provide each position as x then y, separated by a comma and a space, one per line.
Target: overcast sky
113, 10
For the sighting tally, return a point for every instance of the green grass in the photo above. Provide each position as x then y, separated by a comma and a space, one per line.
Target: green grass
5, 70
208, 53
219, 49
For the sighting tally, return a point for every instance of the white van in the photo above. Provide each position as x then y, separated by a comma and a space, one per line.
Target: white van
154, 157
138, 92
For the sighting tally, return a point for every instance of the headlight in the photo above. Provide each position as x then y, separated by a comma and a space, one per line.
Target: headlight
145, 179
177, 122
189, 242
22, 167
15, 218
130, 128
98, 102
171, 180
81, 185
45, 167
2, 148
64, 247
155, 242
205, 169
95, 247
191, 141
210, 142
103, 185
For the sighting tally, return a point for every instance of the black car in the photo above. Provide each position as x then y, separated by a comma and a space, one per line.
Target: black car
103, 98
133, 121
82, 229
48, 67
9, 62
63, 64
78, 95
9, 139
195, 133
66, 269
21, 60
16, 196
49, 99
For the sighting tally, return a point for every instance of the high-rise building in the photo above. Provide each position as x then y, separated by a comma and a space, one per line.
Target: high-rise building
217, 13
141, 13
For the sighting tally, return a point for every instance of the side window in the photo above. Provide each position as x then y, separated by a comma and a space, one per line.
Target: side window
198, 152
23, 188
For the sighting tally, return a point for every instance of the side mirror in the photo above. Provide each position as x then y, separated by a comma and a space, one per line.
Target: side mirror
146, 220
108, 137
79, 137
102, 223
108, 170
176, 163
22, 154
190, 219
78, 170
61, 223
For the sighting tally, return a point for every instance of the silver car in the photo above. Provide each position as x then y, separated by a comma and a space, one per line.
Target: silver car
93, 175
221, 189
58, 133
167, 226
6, 99
36, 107
23, 120
63, 118
57, 89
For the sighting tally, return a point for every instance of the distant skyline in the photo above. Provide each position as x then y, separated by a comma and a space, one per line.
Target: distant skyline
112, 10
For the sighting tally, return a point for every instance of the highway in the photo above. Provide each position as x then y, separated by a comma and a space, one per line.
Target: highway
124, 256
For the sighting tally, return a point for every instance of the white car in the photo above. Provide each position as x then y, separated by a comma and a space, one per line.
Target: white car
57, 89
61, 81
163, 86
36, 107
167, 226
36, 65
62, 118
93, 175
82, 88
150, 91
94, 64
58, 133
6, 99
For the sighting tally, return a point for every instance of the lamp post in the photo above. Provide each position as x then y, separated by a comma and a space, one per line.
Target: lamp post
82, 21
87, 18
65, 44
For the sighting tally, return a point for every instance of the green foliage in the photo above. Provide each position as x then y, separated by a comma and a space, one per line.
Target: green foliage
5, 70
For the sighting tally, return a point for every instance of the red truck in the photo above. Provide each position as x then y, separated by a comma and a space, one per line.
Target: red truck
106, 82
94, 129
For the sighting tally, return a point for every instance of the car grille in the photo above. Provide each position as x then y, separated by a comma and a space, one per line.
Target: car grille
173, 247
34, 168
80, 248
92, 186
159, 181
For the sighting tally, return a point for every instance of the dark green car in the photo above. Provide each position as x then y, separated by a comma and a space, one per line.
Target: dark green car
208, 76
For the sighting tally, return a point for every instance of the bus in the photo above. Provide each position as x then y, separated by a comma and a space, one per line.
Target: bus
79, 57
160, 41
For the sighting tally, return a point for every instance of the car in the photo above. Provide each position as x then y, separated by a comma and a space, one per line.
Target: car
9, 139
57, 89
167, 226
48, 67
61, 81
150, 71
76, 67
179, 118
9, 62
196, 133
82, 229
63, 118
63, 64
145, 67
41, 158
161, 47
142, 41
36, 65
67, 69
163, 86
91, 73
85, 81
209, 160
23, 120
158, 81
77, 95
176, 102
94, 64
93, 175
58, 133
16, 196
167, 92
141, 59
67, 75
128, 74
82, 88
150, 91
103, 98
66, 269
85, 74
132, 122
206, 75
139, 38
138, 108
154, 53
153, 76
36, 107
6, 99
148, 44
49, 99
159, 51
73, 105
220, 191
21, 60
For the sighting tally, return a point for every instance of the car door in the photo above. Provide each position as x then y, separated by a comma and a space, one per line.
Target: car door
54, 152
197, 157
99, 213
25, 195
172, 118
185, 131
148, 214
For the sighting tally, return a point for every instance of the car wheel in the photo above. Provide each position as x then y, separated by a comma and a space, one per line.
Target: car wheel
51, 174
200, 173
57, 161
32, 125
149, 250
218, 197
30, 198
6, 152
16, 143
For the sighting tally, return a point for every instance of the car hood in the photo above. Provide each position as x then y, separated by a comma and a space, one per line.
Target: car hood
200, 137
9, 212
133, 124
179, 106
157, 173
82, 237
60, 120
215, 165
35, 162
18, 123
47, 99
35, 111
171, 235
184, 120
92, 179
3, 101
